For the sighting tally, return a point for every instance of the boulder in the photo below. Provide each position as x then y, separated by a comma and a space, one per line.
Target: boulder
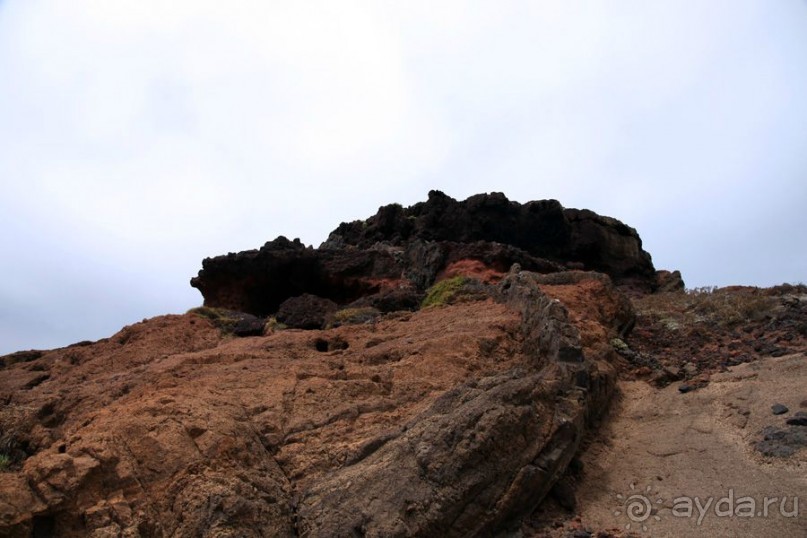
669, 281
305, 311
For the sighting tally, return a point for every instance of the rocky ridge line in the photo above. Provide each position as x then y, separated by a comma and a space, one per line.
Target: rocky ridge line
390, 259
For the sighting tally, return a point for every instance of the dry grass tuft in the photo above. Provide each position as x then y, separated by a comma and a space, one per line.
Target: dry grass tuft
726, 307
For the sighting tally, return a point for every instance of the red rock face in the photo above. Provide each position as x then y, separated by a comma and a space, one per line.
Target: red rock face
449, 421
471, 269
379, 419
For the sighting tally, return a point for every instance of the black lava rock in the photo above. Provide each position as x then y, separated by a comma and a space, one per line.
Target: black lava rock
779, 409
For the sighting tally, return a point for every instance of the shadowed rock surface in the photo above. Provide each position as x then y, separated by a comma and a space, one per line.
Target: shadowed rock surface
408, 248
544, 229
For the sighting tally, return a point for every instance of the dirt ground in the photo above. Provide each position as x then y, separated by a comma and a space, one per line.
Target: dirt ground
672, 464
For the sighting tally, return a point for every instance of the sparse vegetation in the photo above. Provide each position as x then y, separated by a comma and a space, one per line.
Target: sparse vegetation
453, 290
619, 345
440, 293
213, 314
273, 325
222, 318
708, 305
5, 462
715, 328
353, 316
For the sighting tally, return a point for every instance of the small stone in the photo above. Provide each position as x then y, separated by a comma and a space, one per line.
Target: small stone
582, 533
775, 450
619, 344
798, 420
690, 369
779, 409
249, 325
683, 389
781, 443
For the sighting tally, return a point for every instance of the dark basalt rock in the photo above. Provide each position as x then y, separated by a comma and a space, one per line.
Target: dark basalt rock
779, 409
543, 229
394, 256
404, 298
258, 281
800, 419
249, 325
305, 312
669, 281
781, 443
20, 356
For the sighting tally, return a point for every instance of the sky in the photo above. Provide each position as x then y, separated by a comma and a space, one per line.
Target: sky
138, 137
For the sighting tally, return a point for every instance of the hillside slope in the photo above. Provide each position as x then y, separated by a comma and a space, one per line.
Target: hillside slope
453, 420
455, 368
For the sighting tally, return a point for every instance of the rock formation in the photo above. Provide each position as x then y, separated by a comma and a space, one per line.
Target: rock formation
431, 371
453, 420
399, 252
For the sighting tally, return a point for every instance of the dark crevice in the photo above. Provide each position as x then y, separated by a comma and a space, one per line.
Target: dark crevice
44, 526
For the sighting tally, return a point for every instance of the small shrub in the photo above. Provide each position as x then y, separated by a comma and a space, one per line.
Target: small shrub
702, 290
733, 308
273, 325
670, 324
220, 317
721, 306
353, 316
230, 321
213, 314
5, 462
619, 345
444, 291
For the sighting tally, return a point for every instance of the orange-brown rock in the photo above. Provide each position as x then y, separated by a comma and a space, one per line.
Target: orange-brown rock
451, 421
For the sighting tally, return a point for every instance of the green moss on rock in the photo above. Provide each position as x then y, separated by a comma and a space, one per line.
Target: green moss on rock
444, 291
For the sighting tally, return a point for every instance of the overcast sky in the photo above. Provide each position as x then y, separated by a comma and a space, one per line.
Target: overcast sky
138, 137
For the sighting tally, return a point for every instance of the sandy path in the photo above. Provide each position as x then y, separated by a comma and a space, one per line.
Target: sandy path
699, 444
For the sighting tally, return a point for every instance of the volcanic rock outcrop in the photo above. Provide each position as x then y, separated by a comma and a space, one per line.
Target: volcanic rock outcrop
367, 416
431, 371
389, 259
450, 421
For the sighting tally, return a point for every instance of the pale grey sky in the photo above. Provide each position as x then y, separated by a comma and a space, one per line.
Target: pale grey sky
137, 137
